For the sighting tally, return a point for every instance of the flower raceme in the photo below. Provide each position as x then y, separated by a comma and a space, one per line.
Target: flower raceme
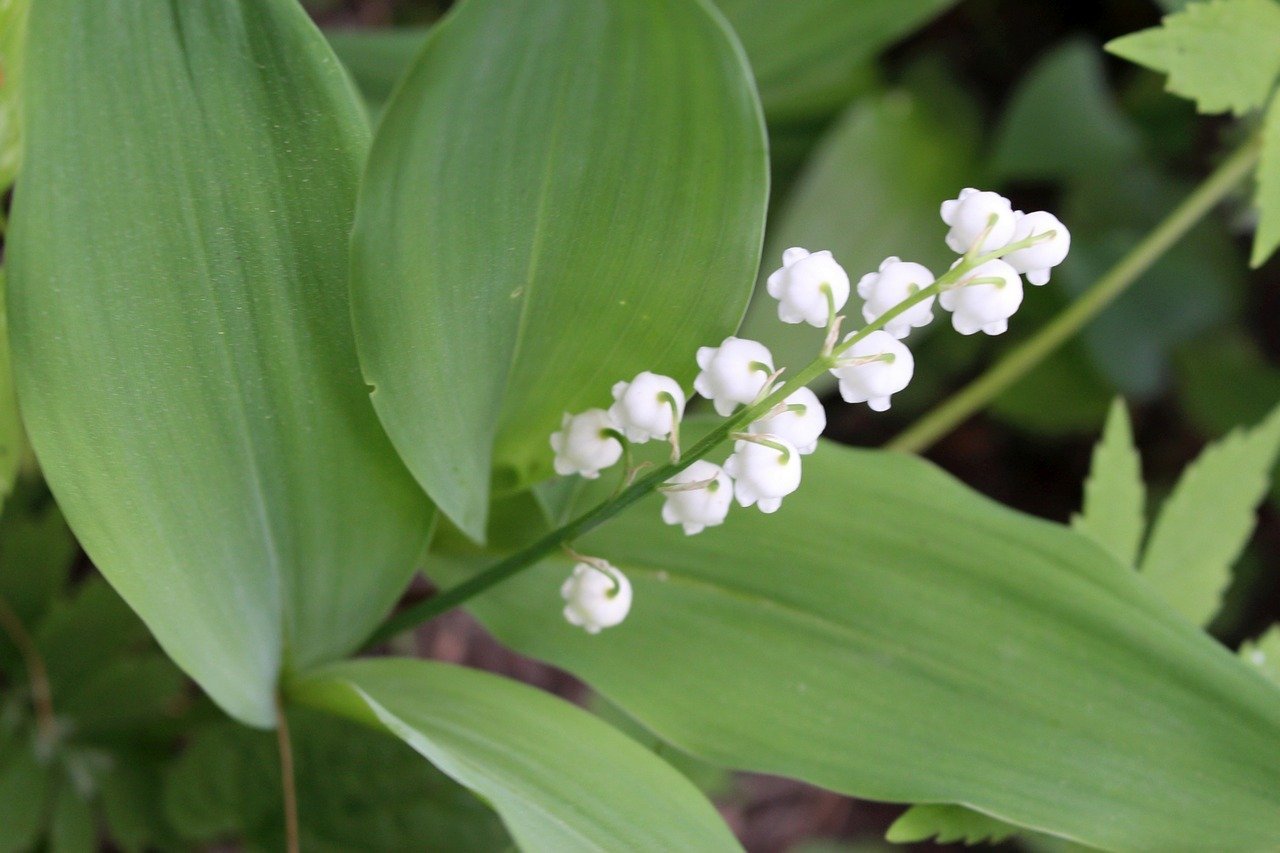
774, 423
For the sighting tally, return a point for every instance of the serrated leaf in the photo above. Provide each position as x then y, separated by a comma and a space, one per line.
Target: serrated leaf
528, 179
1267, 196
1223, 54
1264, 653
181, 332
1115, 496
1208, 519
561, 779
947, 823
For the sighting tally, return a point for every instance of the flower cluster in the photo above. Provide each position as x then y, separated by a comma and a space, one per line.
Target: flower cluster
981, 290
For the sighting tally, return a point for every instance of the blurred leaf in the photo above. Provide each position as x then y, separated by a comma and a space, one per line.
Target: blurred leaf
123, 692
180, 326
808, 55
84, 633
13, 20
72, 829
1264, 653
1267, 197
559, 197
36, 552
1208, 519
1114, 513
871, 190
133, 805
1064, 96
561, 779
10, 425
1223, 54
24, 797
1224, 381
377, 59
357, 789
948, 824
889, 634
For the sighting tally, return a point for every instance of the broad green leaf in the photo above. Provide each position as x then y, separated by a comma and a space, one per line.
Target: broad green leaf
560, 196
358, 789
871, 190
1223, 54
10, 426
561, 779
1264, 653
808, 55
1064, 96
948, 824
891, 635
1207, 520
13, 20
1114, 513
181, 334
1267, 196
377, 59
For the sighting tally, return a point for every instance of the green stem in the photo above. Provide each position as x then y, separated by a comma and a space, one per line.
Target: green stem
289, 787
1021, 360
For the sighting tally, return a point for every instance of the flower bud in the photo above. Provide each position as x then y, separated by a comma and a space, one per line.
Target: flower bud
1036, 261
890, 286
764, 475
802, 285
878, 367
596, 596
702, 507
586, 443
984, 306
800, 422
732, 373
648, 406
970, 216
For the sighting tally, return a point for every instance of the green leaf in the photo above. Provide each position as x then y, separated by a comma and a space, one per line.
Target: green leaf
559, 197
377, 59
72, 828
1208, 519
561, 779
13, 20
889, 634
24, 797
36, 552
1264, 653
133, 803
808, 55
1064, 96
11, 441
358, 789
871, 190
948, 824
1267, 197
182, 339
1114, 513
123, 693
1224, 380
1223, 54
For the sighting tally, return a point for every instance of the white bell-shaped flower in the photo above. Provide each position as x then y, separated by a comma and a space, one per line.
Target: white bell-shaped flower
596, 596
648, 406
802, 286
970, 216
874, 369
763, 474
1036, 261
800, 420
586, 443
985, 299
732, 373
889, 287
699, 506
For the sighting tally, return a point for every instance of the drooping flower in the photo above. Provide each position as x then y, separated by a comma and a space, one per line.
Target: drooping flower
809, 287
765, 470
985, 299
1036, 261
732, 373
701, 498
874, 369
973, 214
895, 281
800, 419
597, 595
649, 406
586, 443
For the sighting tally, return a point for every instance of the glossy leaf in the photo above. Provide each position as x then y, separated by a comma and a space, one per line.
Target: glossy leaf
1223, 54
1207, 520
808, 54
1267, 197
1114, 513
948, 824
561, 195
181, 334
561, 779
891, 635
